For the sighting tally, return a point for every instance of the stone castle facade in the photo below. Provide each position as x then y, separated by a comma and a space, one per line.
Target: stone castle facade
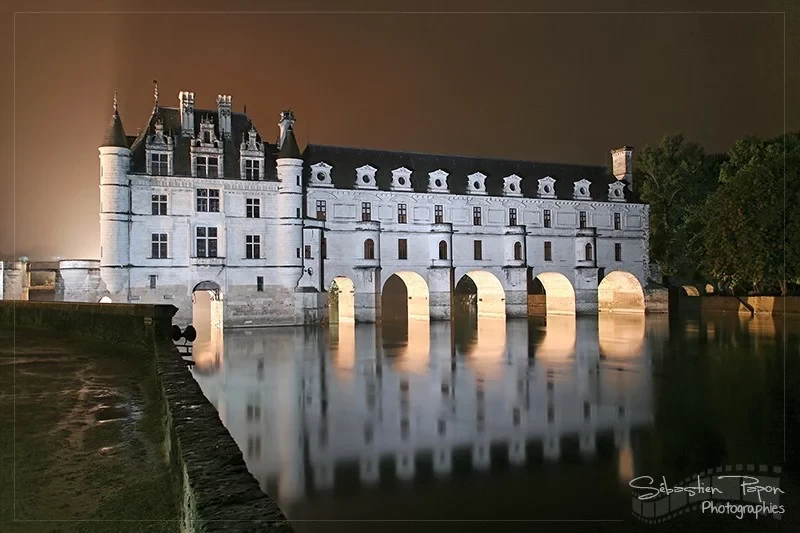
199, 199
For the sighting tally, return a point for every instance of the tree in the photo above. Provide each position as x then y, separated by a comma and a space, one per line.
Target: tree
675, 177
751, 223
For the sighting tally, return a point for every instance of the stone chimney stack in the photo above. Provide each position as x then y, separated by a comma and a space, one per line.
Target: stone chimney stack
287, 121
622, 165
224, 109
186, 100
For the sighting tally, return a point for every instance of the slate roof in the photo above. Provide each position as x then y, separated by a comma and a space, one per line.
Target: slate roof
182, 160
345, 161
115, 135
289, 147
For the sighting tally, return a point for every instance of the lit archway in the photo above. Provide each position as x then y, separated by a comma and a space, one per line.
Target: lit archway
105, 300
551, 293
620, 292
405, 297
481, 292
690, 290
341, 301
207, 319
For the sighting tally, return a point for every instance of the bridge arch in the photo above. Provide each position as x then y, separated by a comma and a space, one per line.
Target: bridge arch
481, 292
341, 301
620, 292
405, 297
551, 293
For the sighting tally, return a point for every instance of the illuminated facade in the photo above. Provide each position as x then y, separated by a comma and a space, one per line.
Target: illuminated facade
199, 199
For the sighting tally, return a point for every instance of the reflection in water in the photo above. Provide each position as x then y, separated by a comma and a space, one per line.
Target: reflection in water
421, 409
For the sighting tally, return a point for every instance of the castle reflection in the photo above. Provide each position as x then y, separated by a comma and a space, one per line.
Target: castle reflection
305, 404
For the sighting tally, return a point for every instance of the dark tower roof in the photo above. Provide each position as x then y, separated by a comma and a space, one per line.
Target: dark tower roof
289, 147
115, 135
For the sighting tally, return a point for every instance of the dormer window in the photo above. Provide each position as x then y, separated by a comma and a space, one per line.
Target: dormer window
159, 164
252, 169
320, 175
207, 167
159, 151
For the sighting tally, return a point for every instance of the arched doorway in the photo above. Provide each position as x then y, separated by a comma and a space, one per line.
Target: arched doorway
206, 306
341, 301
207, 315
405, 297
620, 292
550, 293
481, 293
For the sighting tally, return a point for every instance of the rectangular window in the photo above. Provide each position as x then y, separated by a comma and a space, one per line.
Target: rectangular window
478, 250
548, 222
402, 248
582, 219
617, 251
208, 200
548, 251
158, 164
366, 211
153, 281
298, 252
252, 169
438, 214
253, 208
307, 249
253, 246
512, 216
402, 214
476, 216
322, 210
260, 283
617, 221
158, 246
207, 167
158, 204
324, 248
206, 242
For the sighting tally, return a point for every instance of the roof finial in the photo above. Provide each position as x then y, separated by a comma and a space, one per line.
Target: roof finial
245, 109
115, 101
155, 91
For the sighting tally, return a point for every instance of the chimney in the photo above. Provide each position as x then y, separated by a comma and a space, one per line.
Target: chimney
186, 100
622, 165
224, 109
287, 121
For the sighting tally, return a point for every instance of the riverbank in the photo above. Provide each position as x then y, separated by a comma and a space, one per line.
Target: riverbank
86, 442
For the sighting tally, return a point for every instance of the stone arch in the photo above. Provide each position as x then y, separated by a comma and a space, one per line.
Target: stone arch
341, 301
620, 292
405, 297
207, 309
690, 290
551, 293
481, 292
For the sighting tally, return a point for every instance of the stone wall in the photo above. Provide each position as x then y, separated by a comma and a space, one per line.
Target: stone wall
137, 325
771, 305
217, 492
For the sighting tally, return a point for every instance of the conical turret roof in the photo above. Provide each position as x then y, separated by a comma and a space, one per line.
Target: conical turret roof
289, 147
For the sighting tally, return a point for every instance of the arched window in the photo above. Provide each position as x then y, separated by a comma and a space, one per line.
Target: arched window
588, 252
443, 250
369, 249
518, 251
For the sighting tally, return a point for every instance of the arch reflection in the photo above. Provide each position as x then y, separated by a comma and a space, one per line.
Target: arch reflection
398, 402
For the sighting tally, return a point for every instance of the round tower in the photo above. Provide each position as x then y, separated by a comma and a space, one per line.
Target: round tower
115, 208
290, 197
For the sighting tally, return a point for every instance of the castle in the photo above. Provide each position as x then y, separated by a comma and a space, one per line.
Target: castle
199, 201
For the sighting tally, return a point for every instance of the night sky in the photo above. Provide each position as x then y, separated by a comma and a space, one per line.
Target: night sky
547, 87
